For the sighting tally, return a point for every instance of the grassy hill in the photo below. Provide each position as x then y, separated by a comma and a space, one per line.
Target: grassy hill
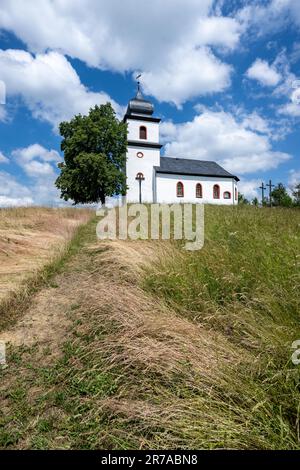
32, 240
150, 346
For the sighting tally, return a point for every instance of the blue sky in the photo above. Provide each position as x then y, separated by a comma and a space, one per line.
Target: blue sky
224, 76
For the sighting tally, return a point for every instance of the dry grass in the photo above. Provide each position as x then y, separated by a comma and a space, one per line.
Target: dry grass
30, 239
161, 352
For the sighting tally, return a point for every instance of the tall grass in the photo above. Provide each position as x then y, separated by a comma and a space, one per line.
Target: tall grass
244, 285
33, 241
169, 349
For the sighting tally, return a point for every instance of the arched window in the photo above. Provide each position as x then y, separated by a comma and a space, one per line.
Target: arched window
179, 189
143, 132
227, 195
216, 191
236, 194
140, 176
199, 190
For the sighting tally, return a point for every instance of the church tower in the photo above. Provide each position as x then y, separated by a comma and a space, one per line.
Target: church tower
143, 152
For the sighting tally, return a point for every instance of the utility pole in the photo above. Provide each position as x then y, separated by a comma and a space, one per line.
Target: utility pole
270, 186
263, 188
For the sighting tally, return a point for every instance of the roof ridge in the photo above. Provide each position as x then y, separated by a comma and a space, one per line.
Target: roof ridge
190, 159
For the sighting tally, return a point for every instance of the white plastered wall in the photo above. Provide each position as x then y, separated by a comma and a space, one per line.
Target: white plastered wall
166, 189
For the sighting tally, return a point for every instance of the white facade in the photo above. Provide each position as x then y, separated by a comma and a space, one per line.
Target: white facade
145, 181
166, 189
142, 164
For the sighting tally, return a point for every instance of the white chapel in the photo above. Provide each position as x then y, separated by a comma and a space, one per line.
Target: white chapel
152, 178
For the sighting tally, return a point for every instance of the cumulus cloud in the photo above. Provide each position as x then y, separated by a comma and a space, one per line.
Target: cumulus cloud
37, 187
219, 31
206, 74
292, 107
15, 201
264, 73
221, 137
12, 193
250, 188
256, 123
48, 84
271, 16
294, 178
149, 37
3, 158
37, 161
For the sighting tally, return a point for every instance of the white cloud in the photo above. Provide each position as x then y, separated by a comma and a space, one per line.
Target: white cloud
40, 168
37, 161
256, 123
250, 188
294, 178
221, 137
128, 36
265, 74
188, 74
292, 108
48, 84
264, 18
40, 165
27, 154
15, 201
219, 31
3, 158
13, 193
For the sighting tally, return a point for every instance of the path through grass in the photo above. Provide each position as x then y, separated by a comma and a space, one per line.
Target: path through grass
160, 348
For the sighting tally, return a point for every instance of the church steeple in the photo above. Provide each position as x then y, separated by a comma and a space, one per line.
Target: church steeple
138, 105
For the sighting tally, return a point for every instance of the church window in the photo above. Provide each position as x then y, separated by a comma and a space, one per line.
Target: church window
140, 154
236, 194
199, 190
227, 195
143, 132
216, 192
180, 189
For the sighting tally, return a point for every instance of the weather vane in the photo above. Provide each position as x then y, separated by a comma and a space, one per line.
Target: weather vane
138, 82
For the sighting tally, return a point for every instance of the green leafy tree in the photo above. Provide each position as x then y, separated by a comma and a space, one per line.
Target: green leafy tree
94, 149
242, 199
296, 194
254, 202
280, 196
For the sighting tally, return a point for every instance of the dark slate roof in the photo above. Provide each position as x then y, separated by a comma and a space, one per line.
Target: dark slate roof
184, 166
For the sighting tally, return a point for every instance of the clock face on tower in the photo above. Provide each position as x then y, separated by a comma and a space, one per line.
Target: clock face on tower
140, 154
